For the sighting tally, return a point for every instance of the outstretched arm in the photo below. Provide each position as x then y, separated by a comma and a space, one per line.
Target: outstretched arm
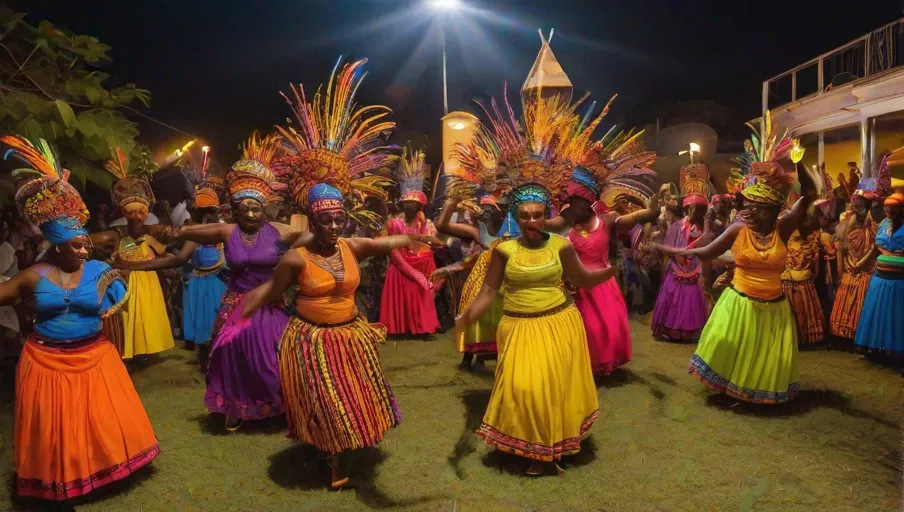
288, 234
214, 233
364, 248
645, 216
168, 261
577, 274
445, 225
484, 300
286, 273
557, 224
717, 247
20, 287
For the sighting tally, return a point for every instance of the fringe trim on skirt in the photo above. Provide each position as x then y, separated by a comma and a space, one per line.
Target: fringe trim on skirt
807, 310
848, 304
335, 394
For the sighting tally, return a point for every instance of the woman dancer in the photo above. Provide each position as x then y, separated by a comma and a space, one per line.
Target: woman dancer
336, 396
204, 289
543, 401
79, 424
407, 305
243, 371
857, 238
145, 322
881, 326
748, 349
799, 276
681, 309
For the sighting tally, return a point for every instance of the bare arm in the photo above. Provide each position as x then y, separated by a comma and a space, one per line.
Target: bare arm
557, 224
867, 260
364, 248
206, 233
718, 246
20, 287
575, 272
288, 234
286, 273
650, 214
161, 263
792, 220
445, 225
488, 291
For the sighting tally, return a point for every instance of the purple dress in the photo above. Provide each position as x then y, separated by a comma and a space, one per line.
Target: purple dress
681, 310
243, 372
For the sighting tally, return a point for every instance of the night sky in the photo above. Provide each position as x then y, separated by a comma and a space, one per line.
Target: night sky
215, 68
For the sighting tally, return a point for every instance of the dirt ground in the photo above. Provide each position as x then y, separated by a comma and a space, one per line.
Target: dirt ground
661, 443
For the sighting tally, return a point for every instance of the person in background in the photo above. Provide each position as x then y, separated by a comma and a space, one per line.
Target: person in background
407, 306
858, 233
204, 287
145, 321
880, 329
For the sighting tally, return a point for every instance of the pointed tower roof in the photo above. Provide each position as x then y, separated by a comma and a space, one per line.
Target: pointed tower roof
546, 74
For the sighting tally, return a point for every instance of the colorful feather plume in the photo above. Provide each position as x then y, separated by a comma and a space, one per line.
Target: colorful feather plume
41, 157
261, 149
333, 140
118, 165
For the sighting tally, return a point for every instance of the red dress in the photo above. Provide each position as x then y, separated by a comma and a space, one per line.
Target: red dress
407, 305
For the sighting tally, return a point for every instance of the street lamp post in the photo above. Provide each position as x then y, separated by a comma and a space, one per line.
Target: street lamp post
444, 6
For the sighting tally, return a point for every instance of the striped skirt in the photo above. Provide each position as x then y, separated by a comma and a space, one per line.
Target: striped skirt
807, 310
335, 394
115, 332
848, 303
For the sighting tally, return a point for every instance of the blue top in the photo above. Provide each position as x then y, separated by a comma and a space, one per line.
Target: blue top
888, 240
207, 257
75, 314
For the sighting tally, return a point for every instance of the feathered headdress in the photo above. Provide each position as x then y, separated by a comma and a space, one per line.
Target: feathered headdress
46, 200
336, 142
478, 169
763, 178
409, 174
206, 194
251, 177
636, 185
693, 181
528, 157
585, 175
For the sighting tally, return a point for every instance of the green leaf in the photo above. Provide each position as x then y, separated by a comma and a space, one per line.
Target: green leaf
67, 116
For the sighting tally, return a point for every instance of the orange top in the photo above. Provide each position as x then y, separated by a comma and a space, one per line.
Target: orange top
758, 268
327, 297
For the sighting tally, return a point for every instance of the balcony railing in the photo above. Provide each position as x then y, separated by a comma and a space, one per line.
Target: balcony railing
867, 56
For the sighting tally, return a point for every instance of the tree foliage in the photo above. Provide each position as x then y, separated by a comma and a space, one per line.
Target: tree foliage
51, 86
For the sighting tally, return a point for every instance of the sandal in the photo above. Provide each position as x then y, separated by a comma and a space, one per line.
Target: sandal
536, 468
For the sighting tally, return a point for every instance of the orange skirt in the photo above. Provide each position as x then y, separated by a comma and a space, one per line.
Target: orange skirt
79, 423
848, 302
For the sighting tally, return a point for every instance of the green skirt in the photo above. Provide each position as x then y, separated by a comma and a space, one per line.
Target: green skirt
748, 350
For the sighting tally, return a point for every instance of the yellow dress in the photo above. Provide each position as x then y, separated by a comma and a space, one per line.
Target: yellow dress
544, 399
146, 325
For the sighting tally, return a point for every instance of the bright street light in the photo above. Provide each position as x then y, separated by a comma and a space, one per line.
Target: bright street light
444, 5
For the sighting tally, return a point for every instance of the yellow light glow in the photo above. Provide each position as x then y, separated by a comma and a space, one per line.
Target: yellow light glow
188, 145
205, 149
179, 152
458, 125
695, 148
797, 151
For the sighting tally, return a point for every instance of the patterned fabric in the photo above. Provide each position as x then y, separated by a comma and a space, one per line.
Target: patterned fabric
807, 310
537, 451
852, 288
714, 381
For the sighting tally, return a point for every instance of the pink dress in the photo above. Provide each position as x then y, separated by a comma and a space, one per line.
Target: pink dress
406, 306
602, 307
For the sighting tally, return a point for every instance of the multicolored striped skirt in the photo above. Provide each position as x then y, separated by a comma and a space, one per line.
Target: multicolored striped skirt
807, 310
848, 304
335, 394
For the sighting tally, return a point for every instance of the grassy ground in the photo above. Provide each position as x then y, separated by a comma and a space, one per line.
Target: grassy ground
660, 444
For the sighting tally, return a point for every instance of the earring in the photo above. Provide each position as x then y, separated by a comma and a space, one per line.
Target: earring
57, 249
